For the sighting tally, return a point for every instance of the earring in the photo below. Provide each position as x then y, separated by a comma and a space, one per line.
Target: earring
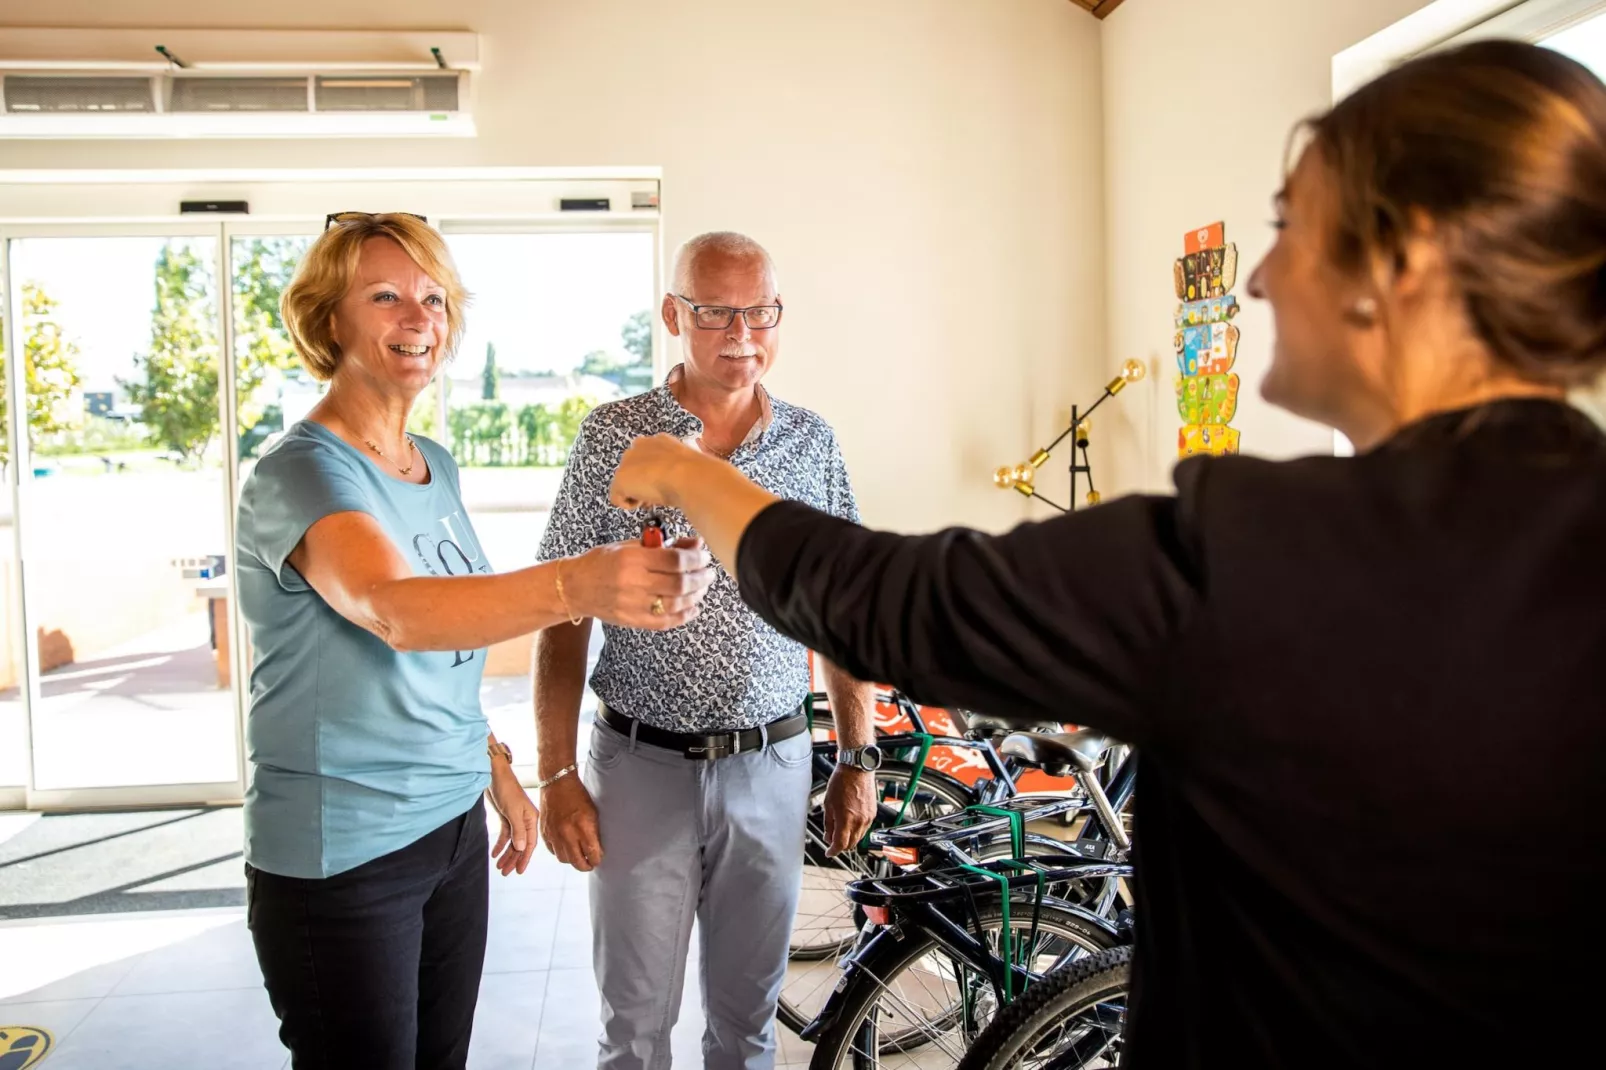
1365, 309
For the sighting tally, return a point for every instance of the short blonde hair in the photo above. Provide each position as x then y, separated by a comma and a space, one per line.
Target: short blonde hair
326, 273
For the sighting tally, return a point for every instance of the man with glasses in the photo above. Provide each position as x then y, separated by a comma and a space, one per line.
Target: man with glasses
693, 799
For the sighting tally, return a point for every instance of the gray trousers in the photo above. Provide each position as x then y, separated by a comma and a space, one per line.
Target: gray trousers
720, 842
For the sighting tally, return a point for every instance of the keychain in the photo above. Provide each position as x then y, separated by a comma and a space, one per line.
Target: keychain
653, 534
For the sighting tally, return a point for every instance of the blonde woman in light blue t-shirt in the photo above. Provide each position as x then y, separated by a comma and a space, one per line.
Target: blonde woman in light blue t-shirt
371, 604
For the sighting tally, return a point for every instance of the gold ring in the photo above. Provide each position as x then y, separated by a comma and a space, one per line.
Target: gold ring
658, 607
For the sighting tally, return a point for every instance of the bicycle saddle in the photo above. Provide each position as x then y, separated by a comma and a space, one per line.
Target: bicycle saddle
1061, 753
986, 726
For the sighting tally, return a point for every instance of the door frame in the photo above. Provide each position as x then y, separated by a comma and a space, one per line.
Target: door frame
23, 484
80, 204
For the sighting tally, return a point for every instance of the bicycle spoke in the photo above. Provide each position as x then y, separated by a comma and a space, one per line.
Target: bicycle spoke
923, 1027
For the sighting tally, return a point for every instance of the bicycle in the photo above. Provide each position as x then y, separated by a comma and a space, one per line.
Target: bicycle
1073, 1019
924, 977
908, 789
826, 922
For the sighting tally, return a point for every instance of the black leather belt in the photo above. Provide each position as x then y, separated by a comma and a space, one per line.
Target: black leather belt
701, 746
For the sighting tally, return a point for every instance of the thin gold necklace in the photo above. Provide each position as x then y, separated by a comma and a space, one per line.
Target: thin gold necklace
413, 452
723, 455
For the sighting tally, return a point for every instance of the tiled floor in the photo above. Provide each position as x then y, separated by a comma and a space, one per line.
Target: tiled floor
152, 990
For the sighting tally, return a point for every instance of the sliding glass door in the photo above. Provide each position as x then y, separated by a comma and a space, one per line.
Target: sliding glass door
149, 368
123, 520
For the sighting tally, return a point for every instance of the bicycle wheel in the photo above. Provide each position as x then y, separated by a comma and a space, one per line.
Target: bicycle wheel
911, 1004
809, 980
1069, 1020
826, 923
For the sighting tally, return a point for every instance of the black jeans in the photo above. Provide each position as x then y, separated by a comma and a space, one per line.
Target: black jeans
378, 967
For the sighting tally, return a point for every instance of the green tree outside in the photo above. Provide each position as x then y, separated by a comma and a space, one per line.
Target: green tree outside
490, 434
263, 268
534, 423
570, 414
459, 422
631, 370
636, 335
52, 369
490, 380
177, 393
604, 365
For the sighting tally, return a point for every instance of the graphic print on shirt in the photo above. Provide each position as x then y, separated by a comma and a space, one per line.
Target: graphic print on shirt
447, 557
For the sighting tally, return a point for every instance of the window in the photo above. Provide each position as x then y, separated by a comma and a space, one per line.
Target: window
133, 691
561, 322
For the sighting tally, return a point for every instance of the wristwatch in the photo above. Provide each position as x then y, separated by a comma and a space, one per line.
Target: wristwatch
867, 757
499, 750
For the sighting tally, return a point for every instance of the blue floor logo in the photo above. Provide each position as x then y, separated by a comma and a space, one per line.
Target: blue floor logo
22, 1046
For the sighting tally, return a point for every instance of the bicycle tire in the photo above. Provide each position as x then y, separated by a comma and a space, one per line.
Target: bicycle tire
797, 1007
937, 794
835, 1047
819, 880
1021, 1029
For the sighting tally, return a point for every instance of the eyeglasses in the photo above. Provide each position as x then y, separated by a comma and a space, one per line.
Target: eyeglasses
346, 217
718, 317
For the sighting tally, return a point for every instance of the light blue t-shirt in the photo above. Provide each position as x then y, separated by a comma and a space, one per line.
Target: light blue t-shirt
358, 750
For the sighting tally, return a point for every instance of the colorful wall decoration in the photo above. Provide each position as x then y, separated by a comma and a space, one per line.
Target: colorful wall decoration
1206, 342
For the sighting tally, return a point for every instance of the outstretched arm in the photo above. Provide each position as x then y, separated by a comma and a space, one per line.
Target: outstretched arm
1070, 619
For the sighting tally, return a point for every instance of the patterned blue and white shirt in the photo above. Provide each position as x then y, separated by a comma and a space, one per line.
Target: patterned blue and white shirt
727, 669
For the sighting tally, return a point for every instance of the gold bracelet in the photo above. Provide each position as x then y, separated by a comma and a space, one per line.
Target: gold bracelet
563, 599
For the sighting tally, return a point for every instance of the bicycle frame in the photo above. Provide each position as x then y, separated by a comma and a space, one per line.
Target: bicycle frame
946, 879
1000, 785
929, 917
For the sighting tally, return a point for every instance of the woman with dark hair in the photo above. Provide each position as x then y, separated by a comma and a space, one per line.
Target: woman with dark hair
1369, 691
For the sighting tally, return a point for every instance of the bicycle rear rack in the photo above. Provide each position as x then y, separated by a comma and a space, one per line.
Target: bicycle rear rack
952, 884
975, 823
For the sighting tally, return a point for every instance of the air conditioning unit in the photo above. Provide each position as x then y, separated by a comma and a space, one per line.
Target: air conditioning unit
240, 84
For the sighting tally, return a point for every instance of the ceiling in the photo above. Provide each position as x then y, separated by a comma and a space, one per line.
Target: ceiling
1099, 8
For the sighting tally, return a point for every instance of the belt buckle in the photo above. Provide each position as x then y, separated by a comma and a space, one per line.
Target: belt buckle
714, 751
709, 753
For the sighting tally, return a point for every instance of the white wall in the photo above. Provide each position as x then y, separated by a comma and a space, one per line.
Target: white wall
927, 173
1200, 98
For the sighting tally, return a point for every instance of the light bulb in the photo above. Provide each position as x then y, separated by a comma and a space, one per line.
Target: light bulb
1133, 371
1024, 473
1004, 478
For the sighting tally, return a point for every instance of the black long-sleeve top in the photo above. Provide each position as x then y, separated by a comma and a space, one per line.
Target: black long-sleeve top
1370, 696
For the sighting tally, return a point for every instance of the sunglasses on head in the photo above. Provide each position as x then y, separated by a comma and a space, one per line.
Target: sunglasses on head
346, 217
